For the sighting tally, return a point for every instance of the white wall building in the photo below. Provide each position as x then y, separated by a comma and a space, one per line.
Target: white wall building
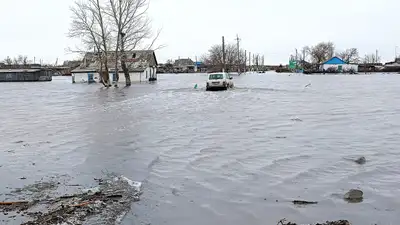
142, 67
339, 65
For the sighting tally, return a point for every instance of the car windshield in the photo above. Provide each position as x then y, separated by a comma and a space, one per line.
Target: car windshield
216, 76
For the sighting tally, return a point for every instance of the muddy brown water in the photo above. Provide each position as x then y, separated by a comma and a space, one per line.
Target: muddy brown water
232, 157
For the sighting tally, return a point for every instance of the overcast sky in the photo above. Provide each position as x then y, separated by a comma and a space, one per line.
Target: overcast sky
37, 28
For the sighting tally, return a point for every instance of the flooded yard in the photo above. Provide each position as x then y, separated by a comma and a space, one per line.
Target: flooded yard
232, 157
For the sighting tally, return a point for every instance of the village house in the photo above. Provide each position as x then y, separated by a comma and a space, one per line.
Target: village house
25, 74
337, 65
184, 65
392, 66
142, 66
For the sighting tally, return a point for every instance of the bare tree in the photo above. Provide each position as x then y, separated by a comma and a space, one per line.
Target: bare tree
304, 54
132, 29
371, 58
214, 57
303, 57
97, 10
17, 61
88, 25
322, 52
349, 55
8, 61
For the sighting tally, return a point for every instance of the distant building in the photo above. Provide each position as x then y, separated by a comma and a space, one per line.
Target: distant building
200, 67
25, 75
142, 66
67, 67
370, 67
184, 65
392, 66
2, 65
336, 64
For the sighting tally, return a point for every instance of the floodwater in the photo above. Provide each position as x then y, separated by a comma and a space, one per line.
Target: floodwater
232, 157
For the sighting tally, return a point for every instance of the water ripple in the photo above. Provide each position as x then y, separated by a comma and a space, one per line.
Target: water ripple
232, 157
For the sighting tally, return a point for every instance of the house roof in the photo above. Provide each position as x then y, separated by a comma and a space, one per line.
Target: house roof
335, 61
184, 62
136, 61
19, 70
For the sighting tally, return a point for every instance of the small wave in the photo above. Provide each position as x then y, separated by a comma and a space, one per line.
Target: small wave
153, 162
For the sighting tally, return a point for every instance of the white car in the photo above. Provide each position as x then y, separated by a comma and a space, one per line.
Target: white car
219, 81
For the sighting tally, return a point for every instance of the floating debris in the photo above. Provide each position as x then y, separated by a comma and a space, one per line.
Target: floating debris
339, 222
297, 120
301, 202
361, 160
104, 204
354, 196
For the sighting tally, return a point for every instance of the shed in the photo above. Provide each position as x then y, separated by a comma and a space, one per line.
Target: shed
338, 65
25, 75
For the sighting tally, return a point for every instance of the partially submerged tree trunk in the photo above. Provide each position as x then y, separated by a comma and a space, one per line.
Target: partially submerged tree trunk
116, 70
106, 75
123, 63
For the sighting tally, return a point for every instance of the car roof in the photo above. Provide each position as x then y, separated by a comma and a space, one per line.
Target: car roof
217, 73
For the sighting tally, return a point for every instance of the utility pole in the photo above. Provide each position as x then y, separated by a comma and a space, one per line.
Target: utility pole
249, 61
223, 54
196, 64
263, 60
245, 60
376, 56
238, 52
254, 61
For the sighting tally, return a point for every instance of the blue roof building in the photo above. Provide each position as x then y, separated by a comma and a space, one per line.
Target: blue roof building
334, 61
338, 65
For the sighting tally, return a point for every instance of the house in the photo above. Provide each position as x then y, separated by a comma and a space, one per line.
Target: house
142, 66
25, 74
67, 67
370, 67
200, 67
338, 65
392, 66
184, 65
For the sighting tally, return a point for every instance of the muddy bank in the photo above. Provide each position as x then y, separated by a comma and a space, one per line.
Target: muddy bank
105, 203
339, 222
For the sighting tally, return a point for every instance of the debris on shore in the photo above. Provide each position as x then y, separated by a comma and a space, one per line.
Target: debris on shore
339, 222
106, 203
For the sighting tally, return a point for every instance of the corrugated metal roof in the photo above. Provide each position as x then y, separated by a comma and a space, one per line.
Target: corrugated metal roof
335, 61
19, 70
